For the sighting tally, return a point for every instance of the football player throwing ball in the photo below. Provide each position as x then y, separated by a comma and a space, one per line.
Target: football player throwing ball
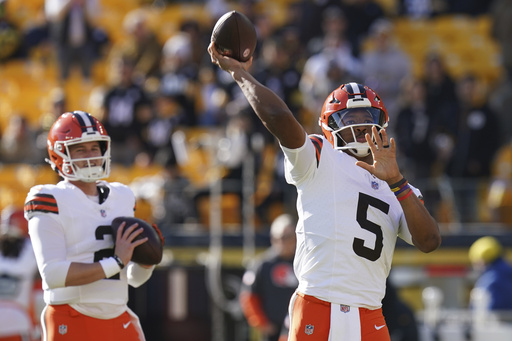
353, 204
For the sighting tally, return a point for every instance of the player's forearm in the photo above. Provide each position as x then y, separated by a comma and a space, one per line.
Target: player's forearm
271, 110
423, 227
84, 273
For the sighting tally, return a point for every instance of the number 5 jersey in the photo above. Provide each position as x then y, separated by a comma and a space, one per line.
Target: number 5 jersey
348, 224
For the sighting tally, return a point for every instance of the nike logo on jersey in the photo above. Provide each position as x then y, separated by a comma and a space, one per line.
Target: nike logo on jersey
125, 325
379, 327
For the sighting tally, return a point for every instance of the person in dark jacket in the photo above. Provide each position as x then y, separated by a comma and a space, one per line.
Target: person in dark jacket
270, 282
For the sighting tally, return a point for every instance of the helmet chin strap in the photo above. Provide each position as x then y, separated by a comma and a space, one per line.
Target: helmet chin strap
90, 174
359, 149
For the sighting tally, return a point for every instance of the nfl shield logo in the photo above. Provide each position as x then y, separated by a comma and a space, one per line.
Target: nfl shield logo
375, 185
344, 308
309, 329
103, 213
63, 329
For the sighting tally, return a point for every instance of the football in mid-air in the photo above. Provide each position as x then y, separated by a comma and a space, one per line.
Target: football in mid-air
148, 253
234, 36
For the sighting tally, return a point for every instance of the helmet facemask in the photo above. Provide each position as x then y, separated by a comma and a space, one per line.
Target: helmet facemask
349, 126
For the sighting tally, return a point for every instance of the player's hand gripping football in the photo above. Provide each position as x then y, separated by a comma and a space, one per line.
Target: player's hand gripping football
125, 241
226, 63
383, 151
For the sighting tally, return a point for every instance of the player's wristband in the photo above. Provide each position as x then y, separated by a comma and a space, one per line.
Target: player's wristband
401, 190
119, 261
398, 184
110, 267
405, 196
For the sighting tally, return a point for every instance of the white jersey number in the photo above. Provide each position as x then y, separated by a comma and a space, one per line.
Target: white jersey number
364, 202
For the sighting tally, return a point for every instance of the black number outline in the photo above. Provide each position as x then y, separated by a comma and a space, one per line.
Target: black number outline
363, 203
100, 233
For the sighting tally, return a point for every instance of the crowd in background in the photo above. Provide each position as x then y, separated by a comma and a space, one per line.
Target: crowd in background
453, 133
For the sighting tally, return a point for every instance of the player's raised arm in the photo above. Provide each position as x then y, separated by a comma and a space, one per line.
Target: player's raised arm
269, 107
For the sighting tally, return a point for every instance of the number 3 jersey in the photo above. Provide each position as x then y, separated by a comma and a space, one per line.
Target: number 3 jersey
348, 224
66, 226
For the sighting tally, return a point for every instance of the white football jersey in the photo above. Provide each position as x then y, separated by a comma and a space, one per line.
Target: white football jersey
348, 224
65, 226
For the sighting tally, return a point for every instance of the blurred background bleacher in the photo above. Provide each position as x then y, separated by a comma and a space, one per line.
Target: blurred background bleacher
240, 214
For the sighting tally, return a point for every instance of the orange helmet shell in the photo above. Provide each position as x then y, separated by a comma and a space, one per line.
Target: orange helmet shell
347, 96
73, 128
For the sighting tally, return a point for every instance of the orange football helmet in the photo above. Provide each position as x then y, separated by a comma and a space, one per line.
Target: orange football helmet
73, 128
342, 106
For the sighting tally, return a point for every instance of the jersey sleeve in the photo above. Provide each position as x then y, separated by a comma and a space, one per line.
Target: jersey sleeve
300, 163
40, 201
48, 242
138, 275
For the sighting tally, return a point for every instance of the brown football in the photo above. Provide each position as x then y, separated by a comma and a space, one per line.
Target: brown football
148, 253
235, 36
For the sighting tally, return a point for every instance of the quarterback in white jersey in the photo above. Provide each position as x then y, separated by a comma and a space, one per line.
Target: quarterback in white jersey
355, 233
352, 204
81, 263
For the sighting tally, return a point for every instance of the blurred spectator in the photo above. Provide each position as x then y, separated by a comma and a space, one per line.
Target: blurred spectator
264, 30
471, 7
441, 91
334, 64
477, 140
126, 111
442, 104
421, 9
180, 74
276, 70
272, 189
499, 197
415, 9
18, 144
361, 14
18, 273
385, 65
424, 145
413, 130
72, 28
213, 100
501, 29
168, 115
269, 282
57, 105
495, 273
142, 45
199, 39
177, 205
305, 17
10, 35
400, 318
233, 148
